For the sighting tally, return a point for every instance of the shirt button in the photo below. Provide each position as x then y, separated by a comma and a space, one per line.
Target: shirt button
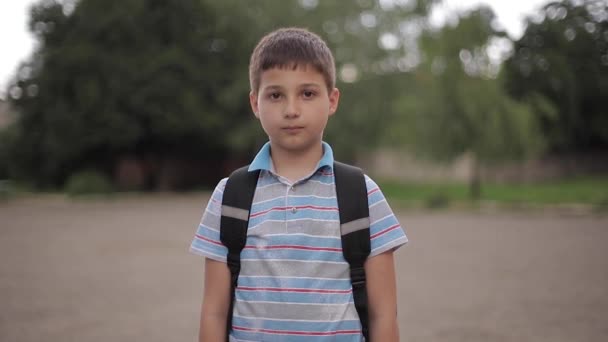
293, 210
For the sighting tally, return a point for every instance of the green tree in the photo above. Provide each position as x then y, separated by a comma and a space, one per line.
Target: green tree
133, 77
459, 106
563, 56
153, 79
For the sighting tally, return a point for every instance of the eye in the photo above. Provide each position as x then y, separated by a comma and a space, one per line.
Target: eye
308, 94
274, 96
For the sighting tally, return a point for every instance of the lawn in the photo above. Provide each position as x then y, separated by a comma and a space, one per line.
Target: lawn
586, 191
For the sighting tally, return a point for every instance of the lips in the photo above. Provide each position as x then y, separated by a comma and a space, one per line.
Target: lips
292, 129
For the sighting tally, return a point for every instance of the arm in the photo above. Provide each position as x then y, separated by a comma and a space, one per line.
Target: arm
382, 298
216, 302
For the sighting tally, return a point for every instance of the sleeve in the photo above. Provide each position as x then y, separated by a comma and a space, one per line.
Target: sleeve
385, 231
206, 241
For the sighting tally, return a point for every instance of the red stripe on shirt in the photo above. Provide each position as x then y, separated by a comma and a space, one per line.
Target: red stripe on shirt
384, 231
278, 289
306, 248
372, 191
301, 333
200, 237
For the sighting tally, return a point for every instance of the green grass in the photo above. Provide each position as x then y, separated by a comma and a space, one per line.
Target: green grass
588, 191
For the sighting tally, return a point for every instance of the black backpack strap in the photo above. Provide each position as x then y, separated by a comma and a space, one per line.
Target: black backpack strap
236, 204
354, 228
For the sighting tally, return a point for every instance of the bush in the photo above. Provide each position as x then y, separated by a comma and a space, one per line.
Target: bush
88, 182
7, 190
437, 201
602, 205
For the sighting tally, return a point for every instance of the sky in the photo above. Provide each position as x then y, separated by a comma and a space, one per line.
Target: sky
510, 13
18, 43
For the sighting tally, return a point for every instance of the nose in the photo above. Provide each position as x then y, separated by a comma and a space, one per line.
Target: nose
292, 109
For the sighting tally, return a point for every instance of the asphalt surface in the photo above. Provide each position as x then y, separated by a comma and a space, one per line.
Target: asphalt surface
119, 270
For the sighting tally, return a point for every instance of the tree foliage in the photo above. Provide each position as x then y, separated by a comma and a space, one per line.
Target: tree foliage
152, 79
156, 81
459, 106
563, 57
134, 77
467, 108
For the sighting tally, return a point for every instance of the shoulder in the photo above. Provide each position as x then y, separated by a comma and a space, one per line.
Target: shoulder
374, 193
218, 192
221, 185
371, 185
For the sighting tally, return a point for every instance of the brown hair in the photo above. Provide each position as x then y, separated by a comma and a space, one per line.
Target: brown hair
291, 47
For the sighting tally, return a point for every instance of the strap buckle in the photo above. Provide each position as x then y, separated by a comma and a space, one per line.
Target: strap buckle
357, 276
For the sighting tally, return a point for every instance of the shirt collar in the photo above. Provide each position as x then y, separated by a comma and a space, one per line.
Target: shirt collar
263, 161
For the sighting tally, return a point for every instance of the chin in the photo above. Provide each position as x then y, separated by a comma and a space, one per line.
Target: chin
295, 146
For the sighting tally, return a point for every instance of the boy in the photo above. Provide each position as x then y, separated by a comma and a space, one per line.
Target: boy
294, 283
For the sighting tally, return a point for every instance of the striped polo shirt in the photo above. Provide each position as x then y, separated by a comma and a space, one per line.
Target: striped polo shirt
294, 283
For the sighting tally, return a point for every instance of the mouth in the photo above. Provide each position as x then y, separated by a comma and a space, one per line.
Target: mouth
292, 129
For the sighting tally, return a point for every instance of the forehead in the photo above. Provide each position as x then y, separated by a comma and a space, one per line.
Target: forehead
291, 75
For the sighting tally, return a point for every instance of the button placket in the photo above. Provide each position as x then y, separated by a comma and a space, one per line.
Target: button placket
286, 203
293, 208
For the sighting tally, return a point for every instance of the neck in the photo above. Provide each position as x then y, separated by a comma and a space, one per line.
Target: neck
295, 165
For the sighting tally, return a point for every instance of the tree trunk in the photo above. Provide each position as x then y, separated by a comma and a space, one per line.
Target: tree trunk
475, 182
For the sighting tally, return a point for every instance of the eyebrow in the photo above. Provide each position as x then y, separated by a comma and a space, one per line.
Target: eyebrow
309, 85
305, 85
273, 87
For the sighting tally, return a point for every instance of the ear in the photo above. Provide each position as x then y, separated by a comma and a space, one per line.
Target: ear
253, 101
334, 99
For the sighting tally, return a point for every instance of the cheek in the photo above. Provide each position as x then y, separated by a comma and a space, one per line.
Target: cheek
266, 126
323, 112
266, 108
267, 118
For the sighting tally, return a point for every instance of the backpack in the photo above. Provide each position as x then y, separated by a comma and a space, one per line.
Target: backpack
351, 192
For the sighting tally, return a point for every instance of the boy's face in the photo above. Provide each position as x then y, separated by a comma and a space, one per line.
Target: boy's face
293, 107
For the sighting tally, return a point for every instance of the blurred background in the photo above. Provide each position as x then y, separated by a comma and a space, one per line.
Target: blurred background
495, 111
147, 95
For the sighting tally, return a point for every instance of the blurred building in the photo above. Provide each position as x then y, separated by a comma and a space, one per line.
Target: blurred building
399, 165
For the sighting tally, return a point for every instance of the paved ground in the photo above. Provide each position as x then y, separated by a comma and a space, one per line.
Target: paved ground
120, 271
